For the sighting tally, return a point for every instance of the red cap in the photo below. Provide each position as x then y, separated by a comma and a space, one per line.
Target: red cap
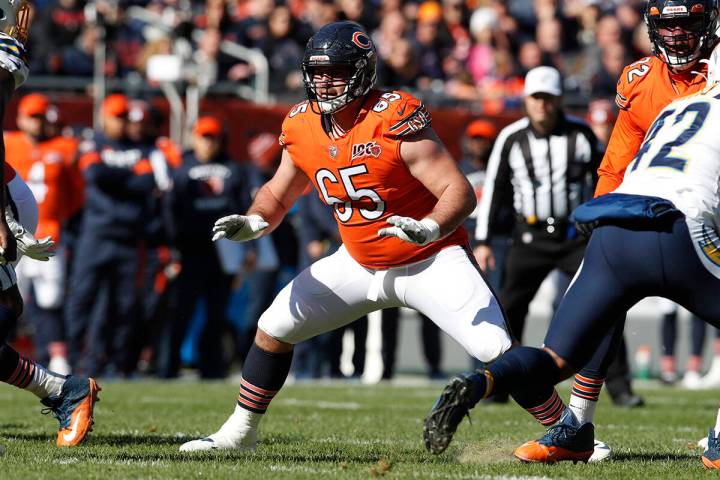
481, 128
115, 105
34, 104
601, 112
208, 126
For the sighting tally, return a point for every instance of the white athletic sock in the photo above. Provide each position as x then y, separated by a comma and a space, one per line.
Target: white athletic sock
583, 409
717, 424
240, 429
45, 383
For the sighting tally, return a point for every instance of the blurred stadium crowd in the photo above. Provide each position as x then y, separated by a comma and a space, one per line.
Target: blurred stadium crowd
451, 51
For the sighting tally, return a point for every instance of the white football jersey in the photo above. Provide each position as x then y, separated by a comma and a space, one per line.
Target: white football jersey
680, 161
13, 58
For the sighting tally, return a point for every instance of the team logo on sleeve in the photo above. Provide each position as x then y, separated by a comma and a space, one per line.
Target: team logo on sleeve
371, 149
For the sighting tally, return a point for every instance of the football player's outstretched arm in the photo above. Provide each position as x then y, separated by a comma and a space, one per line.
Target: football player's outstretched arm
430, 162
270, 205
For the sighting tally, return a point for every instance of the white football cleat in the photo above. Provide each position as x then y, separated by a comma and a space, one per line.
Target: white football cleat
601, 452
712, 378
703, 443
692, 381
217, 442
239, 433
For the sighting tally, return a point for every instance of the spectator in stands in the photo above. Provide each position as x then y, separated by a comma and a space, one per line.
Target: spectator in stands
400, 69
102, 300
480, 60
393, 28
78, 59
549, 37
252, 31
357, 11
319, 12
282, 51
529, 57
46, 163
215, 15
430, 47
208, 184
55, 28
630, 17
613, 60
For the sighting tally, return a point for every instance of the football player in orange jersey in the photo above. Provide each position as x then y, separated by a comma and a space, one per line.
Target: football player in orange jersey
682, 33
400, 202
70, 399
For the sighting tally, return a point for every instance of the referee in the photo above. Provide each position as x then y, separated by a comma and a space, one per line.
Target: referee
541, 168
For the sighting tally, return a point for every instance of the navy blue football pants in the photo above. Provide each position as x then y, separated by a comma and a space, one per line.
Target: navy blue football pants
621, 267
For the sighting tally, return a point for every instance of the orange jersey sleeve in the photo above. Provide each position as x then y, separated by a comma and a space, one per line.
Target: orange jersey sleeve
644, 88
363, 177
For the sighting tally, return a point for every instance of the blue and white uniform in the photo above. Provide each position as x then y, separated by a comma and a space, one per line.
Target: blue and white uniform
657, 233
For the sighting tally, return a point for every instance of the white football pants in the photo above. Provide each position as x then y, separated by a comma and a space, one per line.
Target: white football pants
447, 287
27, 210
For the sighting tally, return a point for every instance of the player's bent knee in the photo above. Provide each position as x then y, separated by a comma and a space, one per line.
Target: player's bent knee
491, 346
566, 370
12, 300
270, 344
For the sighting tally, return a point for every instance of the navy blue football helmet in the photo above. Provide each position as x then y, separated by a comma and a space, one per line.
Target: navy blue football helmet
696, 22
344, 45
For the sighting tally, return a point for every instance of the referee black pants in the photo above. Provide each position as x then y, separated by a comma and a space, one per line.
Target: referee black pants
532, 256
527, 264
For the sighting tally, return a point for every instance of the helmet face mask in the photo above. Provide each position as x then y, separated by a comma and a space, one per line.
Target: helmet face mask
680, 29
338, 66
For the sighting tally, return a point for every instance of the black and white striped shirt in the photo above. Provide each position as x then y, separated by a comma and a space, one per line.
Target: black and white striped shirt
541, 176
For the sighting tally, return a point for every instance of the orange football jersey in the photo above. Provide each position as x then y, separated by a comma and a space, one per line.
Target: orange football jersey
363, 177
644, 88
49, 170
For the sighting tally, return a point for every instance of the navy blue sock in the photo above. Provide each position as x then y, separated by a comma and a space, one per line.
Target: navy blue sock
263, 375
9, 360
527, 373
8, 322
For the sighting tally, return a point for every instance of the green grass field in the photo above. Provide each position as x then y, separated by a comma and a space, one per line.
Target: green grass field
337, 431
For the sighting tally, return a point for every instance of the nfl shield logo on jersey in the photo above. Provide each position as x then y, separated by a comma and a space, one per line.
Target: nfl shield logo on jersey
333, 151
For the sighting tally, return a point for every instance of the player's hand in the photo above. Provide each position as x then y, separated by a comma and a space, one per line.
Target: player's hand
410, 230
239, 228
587, 228
13, 58
26, 242
484, 257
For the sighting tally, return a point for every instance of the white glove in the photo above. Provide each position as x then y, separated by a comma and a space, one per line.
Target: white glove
13, 58
239, 228
410, 230
27, 244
